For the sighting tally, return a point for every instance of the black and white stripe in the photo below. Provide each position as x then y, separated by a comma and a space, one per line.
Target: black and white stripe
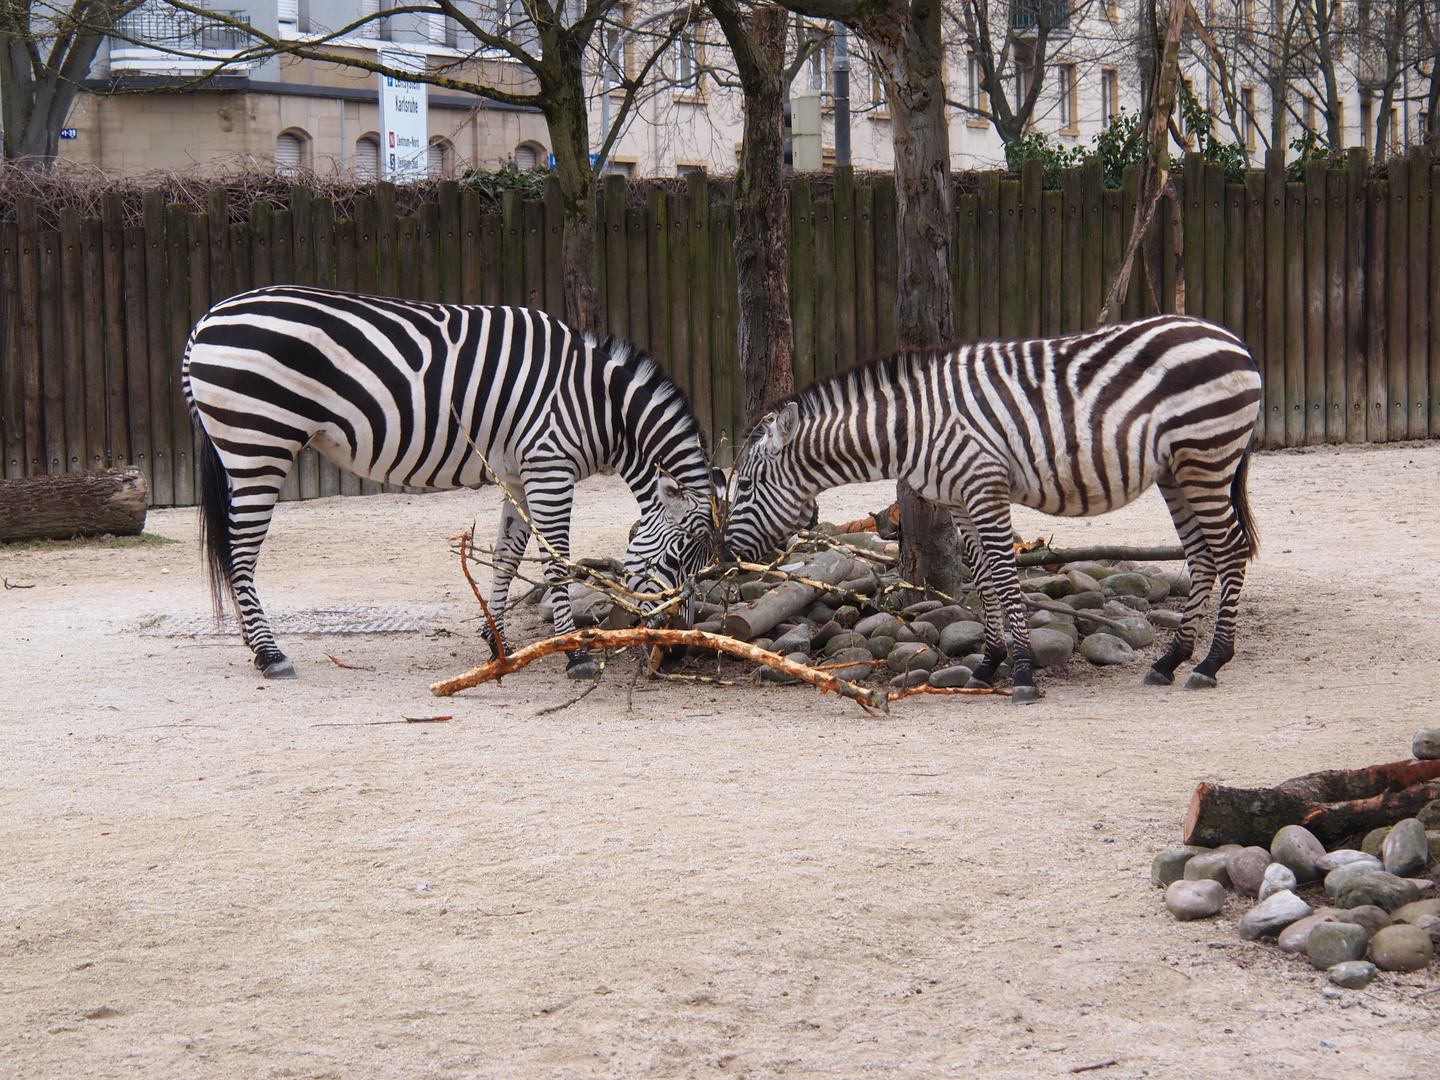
1078, 425
376, 385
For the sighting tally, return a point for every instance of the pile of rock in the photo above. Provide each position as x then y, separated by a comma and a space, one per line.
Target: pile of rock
853, 629
1374, 903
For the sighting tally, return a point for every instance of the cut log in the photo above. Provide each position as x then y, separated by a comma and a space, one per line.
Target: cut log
1331, 804
73, 504
1045, 556
755, 618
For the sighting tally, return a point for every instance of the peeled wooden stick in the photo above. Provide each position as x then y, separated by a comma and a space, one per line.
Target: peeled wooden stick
871, 701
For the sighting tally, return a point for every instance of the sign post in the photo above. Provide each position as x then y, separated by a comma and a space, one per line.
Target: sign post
404, 121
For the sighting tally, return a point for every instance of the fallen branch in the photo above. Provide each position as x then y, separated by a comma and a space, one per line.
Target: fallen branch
1331, 804
468, 539
871, 701
1044, 556
896, 695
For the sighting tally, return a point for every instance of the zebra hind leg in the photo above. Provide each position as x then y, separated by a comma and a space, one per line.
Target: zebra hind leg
252, 504
549, 494
995, 649
1230, 549
988, 522
1202, 574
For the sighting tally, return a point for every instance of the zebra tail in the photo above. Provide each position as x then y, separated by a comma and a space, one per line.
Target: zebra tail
215, 521
1240, 499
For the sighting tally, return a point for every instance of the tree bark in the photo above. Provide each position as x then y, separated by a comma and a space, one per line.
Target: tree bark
930, 551
36, 104
762, 615
566, 115
1331, 804
765, 337
73, 504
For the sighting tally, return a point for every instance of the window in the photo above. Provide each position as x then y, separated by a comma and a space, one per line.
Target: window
1247, 106
976, 76
690, 62
1309, 113
821, 63
527, 157
442, 29
877, 88
1109, 95
290, 147
1069, 97
440, 159
1394, 147
1112, 10
287, 14
367, 158
368, 9
1023, 72
1367, 118
685, 168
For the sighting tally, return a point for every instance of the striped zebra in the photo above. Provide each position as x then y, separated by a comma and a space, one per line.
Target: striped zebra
1074, 426
377, 386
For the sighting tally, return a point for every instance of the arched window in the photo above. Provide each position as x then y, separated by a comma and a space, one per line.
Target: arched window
441, 158
291, 149
528, 156
367, 158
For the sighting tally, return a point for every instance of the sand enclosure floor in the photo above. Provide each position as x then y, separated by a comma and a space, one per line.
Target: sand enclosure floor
203, 874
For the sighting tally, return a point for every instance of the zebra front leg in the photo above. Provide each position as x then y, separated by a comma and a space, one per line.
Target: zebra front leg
1202, 574
993, 618
510, 547
549, 493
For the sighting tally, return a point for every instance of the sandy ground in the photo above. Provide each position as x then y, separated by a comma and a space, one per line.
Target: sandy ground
205, 875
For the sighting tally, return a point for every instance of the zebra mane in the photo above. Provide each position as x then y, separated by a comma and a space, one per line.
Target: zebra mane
646, 371
811, 396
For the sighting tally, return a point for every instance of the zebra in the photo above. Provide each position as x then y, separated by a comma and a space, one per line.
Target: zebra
1077, 426
414, 393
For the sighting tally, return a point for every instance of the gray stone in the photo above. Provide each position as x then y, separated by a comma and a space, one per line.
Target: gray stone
1194, 899
823, 635
1334, 943
1159, 588
1133, 603
1353, 974
1429, 815
1051, 647
1297, 848
942, 617
1169, 865
753, 590
1294, 937
796, 640
1210, 866
819, 613
1342, 877
1054, 586
1426, 744
1375, 840
847, 615
1272, 915
1097, 570
1401, 948
1180, 584
1406, 851
857, 664
947, 678
849, 640
1127, 585
1049, 619
920, 607
1381, 889
1413, 912
919, 631
1278, 878
872, 624
1432, 840
1084, 601
960, 638
914, 677
781, 678
1135, 632
880, 646
1083, 582
912, 656
1247, 869
1103, 649
1369, 916
1165, 619
1333, 860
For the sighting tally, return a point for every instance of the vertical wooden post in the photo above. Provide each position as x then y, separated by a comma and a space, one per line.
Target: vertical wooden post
282, 247
1377, 310
1397, 292
616, 289
512, 249
1213, 197
1274, 298
12, 374
1234, 271
886, 267
222, 271
407, 248
533, 212
844, 224
98, 388
492, 266
1010, 284
723, 347
1071, 263
451, 280
70, 310
28, 278
137, 355
470, 260
177, 330
241, 268
302, 248
1256, 279
802, 281
367, 246
682, 368
987, 254
262, 242
1192, 201
1315, 292
637, 235
428, 224
825, 300
1433, 304
1052, 243
865, 272
1112, 200
1092, 239
1357, 263
387, 239
657, 259
1418, 332
1130, 192
554, 249
322, 241
1032, 182
1294, 314
967, 270
157, 298
697, 198
1337, 216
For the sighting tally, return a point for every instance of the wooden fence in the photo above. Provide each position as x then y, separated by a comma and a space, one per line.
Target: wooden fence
1331, 281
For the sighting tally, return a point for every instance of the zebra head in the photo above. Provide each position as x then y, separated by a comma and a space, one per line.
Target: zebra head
770, 497
674, 539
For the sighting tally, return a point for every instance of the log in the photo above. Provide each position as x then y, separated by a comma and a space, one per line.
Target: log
67, 505
1045, 556
755, 618
1331, 804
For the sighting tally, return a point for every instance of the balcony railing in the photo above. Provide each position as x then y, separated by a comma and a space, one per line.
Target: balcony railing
1027, 14
158, 38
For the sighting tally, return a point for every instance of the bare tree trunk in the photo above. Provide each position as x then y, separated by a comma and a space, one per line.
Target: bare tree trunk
765, 336
565, 114
36, 110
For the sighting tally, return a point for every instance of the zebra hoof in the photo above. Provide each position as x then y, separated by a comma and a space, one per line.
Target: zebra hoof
582, 668
279, 668
1155, 677
977, 684
1024, 695
1200, 682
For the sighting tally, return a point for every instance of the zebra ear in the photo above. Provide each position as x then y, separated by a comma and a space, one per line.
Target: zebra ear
783, 426
674, 499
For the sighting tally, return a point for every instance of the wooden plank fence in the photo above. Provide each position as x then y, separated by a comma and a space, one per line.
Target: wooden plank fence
1334, 281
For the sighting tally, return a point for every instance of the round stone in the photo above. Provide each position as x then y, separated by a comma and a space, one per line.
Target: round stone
1169, 865
1426, 744
1374, 840
796, 640
1272, 915
920, 607
849, 640
1333, 860
1369, 916
961, 638
822, 635
1210, 866
1135, 632
819, 613
1084, 601
1129, 584
919, 631
878, 624
907, 679
1277, 878
1405, 850
1165, 619
1342, 877
753, 590
1188, 900
1180, 584
1381, 889
1414, 912
1353, 974
1334, 943
1096, 570
856, 664
1247, 869
1104, 649
948, 678
942, 617
912, 656
1294, 937
1296, 847
1051, 647
847, 615
880, 646
782, 678
1401, 948
1052, 585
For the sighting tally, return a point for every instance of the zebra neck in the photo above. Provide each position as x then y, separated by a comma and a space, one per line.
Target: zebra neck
824, 463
